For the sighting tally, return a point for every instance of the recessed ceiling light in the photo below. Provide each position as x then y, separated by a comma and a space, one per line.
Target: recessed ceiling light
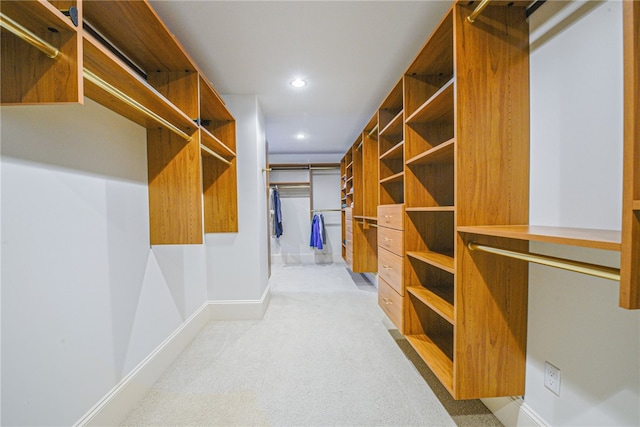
301, 136
298, 83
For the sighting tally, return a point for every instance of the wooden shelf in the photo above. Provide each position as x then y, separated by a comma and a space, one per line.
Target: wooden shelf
214, 144
106, 66
445, 262
435, 358
394, 152
215, 118
635, 205
438, 108
135, 29
443, 153
437, 301
398, 177
393, 128
431, 209
588, 238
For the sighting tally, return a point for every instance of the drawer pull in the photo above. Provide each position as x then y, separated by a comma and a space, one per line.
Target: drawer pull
386, 239
387, 267
387, 301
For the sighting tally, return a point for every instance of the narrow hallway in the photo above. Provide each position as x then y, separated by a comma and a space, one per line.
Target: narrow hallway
324, 354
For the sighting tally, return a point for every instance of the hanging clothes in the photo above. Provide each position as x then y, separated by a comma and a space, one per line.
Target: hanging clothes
317, 238
277, 217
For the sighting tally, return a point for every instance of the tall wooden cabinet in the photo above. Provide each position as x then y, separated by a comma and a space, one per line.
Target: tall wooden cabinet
466, 102
360, 201
143, 73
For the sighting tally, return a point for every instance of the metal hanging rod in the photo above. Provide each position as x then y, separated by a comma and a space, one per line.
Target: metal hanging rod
133, 103
214, 154
26, 35
565, 264
372, 131
286, 168
326, 210
477, 11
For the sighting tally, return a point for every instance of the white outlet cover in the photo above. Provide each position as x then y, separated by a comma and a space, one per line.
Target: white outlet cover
552, 378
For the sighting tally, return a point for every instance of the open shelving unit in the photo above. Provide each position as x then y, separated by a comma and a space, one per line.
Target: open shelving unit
466, 140
391, 147
121, 55
360, 200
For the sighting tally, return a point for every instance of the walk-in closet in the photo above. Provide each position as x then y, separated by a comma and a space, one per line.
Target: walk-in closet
320, 213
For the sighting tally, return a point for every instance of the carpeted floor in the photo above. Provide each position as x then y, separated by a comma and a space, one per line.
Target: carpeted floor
324, 355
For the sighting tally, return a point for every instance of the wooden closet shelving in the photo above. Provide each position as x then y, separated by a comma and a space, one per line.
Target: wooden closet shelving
466, 149
361, 191
123, 57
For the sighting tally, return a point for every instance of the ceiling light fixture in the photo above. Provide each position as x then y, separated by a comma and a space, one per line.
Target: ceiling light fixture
298, 83
301, 136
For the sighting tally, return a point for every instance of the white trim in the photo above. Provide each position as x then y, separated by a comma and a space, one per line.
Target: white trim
122, 398
514, 412
240, 309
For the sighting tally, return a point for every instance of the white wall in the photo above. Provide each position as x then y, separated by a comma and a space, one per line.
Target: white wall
576, 181
84, 297
237, 262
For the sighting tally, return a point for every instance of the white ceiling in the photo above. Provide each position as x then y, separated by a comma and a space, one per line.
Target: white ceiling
350, 52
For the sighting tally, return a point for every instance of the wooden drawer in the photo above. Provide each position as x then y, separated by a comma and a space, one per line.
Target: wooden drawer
391, 216
391, 240
391, 303
390, 269
348, 214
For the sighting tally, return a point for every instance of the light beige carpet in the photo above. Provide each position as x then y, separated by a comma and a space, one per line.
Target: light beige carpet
324, 355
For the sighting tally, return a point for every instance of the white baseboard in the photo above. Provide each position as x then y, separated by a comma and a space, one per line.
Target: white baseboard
514, 412
112, 409
122, 398
241, 309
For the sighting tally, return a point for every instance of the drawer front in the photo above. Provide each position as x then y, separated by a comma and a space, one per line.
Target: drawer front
390, 269
391, 216
391, 303
391, 240
348, 214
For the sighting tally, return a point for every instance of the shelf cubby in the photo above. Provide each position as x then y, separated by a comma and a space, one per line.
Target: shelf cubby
432, 67
440, 300
391, 108
29, 76
216, 119
432, 336
430, 184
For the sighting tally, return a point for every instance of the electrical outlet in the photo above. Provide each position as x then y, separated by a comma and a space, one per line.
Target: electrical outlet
552, 378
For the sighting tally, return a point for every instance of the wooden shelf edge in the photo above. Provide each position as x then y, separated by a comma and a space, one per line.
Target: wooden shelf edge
393, 178
388, 154
435, 359
391, 123
441, 261
214, 144
431, 209
437, 154
635, 205
438, 304
448, 86
588, 238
